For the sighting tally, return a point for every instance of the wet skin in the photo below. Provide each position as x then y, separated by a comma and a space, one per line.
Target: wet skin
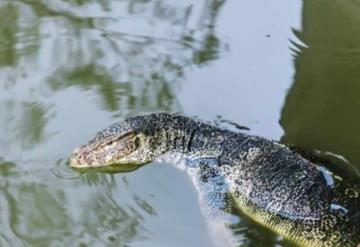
267, 181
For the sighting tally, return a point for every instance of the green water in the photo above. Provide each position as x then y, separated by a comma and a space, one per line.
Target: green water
288, 70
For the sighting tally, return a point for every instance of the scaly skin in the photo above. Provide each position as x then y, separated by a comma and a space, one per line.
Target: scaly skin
271, 184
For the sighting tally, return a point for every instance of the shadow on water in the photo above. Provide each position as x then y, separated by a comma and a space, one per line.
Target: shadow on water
322, 107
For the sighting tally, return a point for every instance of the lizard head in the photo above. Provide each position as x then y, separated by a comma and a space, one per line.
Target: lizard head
133, 142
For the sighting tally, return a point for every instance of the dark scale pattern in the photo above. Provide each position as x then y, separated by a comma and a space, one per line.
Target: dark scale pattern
267, 181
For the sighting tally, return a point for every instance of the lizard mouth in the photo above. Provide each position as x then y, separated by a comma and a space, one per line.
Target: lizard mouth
109, 152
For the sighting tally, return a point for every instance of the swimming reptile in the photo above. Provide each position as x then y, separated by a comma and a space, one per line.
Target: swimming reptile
265, 180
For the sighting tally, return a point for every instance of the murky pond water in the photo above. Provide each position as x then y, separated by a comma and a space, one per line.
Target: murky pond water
288, 70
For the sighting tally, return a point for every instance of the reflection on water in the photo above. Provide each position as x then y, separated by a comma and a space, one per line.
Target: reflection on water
8, 18
322, 108
321, 111
44, 213
61, 59
126, 56
71, 67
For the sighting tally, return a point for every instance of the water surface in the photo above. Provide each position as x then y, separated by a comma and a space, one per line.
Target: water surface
287, 70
